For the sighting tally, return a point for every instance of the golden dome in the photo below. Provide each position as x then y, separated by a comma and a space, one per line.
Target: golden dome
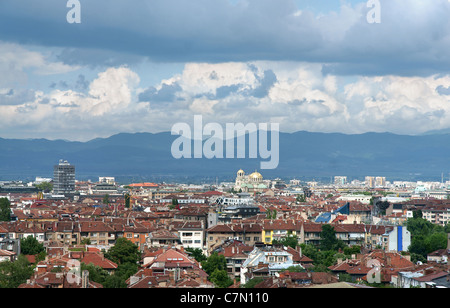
240, 172
256, 175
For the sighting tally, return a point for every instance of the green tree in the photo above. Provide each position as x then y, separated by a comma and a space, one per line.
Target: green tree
309, 250
345, 277
436, 241
13, 274
295, 269
45, 187
5, 209
301, 198
220, 278
127, 201
447, 228
426, 237
197, 253
417, 214
328, 240
353, 250
96, 273
125, 270
216, 268
271, 214
418, 257
382, 206
115, 282
253, 282
86, 241
31, 246
124, 251
106, 199
291, 241
213, 262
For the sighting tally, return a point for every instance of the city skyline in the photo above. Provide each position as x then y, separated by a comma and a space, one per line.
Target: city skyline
227, 146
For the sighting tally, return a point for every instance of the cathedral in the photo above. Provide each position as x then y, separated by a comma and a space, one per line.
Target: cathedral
249, 183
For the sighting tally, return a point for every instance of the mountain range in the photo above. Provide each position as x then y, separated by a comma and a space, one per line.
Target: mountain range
303, 155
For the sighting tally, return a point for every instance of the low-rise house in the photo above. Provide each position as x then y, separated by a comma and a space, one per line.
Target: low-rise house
312, 233
193, 213
136, 233
191, 234
439, 256
280, 229
175, 264
98, 232
235, 253
378, 264
6, 255
422, 277
247, 233
265, 259
10, 244
61, 280
163, 238
95, 258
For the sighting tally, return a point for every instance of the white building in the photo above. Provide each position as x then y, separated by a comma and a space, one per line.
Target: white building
364, 199
340, 180
277, 260
192, 235
398, 239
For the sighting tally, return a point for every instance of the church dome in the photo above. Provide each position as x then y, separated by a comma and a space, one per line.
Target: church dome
256, 176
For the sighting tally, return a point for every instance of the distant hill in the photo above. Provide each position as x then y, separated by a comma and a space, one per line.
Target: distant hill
146, 156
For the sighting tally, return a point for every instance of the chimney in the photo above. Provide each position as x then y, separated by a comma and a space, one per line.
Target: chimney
85, 280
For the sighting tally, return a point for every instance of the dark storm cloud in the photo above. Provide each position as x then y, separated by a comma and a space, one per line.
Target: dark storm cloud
411, 38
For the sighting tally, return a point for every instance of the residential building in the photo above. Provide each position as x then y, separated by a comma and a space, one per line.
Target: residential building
63, 178
280, 229
265, 261
248, 233
6, 255
192, 234
397, 239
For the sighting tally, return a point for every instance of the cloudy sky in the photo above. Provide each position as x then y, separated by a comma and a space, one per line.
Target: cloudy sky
144, 65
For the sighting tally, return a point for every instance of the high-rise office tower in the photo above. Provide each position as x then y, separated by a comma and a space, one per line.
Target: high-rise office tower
63, 178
